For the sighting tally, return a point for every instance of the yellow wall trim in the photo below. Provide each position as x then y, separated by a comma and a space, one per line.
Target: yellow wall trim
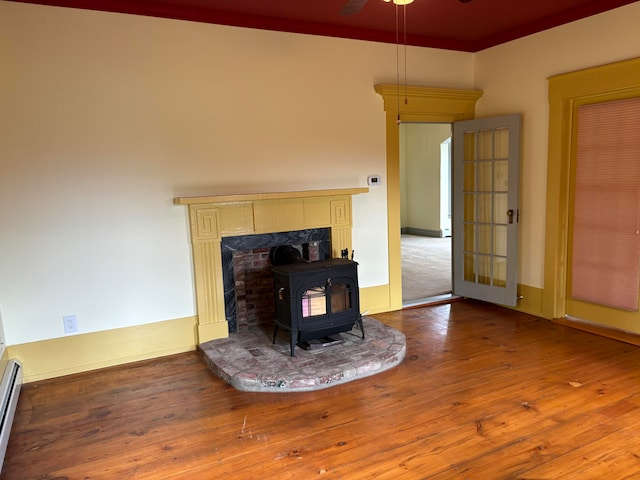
598, 329
80, 353
213, 330
375, 299
530, 301
4, 359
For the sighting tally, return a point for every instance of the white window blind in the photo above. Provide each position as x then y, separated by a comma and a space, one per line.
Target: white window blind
606, 221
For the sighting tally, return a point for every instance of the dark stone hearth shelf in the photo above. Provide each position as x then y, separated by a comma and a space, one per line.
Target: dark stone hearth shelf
249, 362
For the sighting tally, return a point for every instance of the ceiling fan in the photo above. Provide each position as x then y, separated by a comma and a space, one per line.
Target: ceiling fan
354, 6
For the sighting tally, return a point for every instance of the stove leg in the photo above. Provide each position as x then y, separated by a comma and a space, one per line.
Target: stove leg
294, 337
275, 332
361, 325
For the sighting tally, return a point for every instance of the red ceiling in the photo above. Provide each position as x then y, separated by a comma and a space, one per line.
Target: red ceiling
449, 24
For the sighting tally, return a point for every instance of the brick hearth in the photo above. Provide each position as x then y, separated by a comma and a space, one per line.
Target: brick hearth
250, 362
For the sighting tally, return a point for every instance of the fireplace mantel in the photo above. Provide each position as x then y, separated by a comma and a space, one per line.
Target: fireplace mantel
213, 217
246, 197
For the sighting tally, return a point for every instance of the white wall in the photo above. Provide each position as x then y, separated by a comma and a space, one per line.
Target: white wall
106, 117
514, 76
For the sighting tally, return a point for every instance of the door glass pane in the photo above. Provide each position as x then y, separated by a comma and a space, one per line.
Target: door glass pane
485, 245
499, 272
501, 175
314, 302
340, 297
500, 208
485, 145
484, 269
500, 241
469, 267
469, 237
469, 176
484, 207
501, 143
484, 177
469, 207
469, 146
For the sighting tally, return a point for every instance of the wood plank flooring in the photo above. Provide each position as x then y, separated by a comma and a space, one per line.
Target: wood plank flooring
483, 393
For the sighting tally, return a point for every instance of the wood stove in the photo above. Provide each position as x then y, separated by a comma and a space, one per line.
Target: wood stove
316, 300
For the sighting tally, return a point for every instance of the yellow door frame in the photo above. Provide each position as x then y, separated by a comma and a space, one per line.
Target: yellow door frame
419, 105
567, 92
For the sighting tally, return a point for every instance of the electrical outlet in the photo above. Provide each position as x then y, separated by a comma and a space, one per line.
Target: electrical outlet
70, 323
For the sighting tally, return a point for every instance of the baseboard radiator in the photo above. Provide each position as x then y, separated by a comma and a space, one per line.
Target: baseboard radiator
9, 392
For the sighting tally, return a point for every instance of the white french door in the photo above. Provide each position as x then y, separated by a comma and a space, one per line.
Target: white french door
486, 157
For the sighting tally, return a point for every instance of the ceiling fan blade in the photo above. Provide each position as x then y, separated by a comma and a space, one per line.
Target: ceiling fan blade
352, 6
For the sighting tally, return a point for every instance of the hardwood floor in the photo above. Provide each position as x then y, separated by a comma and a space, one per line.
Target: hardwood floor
483, 393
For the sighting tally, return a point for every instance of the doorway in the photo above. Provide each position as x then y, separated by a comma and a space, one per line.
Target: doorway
425, 211
603, 243
567, 93
419, 105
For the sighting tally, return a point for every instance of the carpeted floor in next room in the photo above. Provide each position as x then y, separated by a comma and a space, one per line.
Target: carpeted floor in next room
249, 361
426, 267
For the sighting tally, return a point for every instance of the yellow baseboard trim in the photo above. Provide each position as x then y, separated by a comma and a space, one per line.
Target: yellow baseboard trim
602, 330
212, 331
530, 300
375, 299
4, 359
80, 353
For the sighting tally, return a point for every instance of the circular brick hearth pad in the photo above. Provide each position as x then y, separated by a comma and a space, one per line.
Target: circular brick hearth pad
248, 360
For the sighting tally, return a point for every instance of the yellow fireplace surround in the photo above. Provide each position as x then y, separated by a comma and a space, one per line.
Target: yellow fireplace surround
213, 217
